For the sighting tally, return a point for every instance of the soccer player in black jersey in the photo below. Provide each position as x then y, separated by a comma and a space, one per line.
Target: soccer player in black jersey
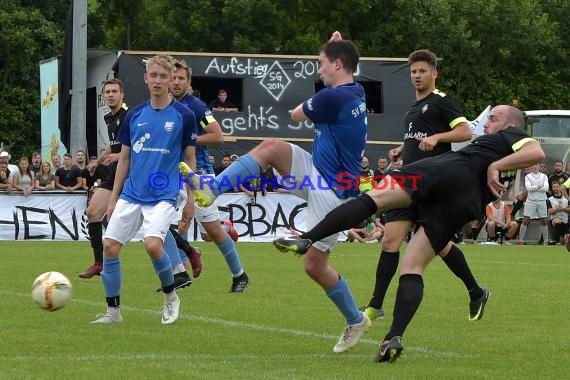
113, 95
443, 205
432, 123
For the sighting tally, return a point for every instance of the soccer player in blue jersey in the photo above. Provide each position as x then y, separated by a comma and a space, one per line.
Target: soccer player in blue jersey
209, 134
339, 114
154, 135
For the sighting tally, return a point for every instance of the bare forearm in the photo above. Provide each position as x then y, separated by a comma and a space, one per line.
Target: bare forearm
212, 137
123, 167
297, 114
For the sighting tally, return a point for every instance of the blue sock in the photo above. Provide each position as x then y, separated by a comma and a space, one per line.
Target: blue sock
342, 297
244, 168
112, 276
163, 270
228, 250
171, 250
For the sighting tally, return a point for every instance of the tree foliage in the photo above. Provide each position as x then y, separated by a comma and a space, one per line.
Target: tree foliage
26, 38
492, 51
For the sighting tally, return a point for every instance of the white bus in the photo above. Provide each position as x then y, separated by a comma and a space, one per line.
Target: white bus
552, 129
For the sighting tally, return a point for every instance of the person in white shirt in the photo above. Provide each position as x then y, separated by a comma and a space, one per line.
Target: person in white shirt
536, 184
558, 210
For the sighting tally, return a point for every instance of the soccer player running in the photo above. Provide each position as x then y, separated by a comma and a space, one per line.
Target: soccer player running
339, 114
443, 204
153, 136
113, 95
432, 123
209, 133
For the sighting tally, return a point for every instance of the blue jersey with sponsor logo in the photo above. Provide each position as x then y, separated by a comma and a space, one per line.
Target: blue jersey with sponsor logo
340, 119
157, 138
203, 118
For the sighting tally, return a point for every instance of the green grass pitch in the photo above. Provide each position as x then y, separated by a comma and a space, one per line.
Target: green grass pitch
283, 326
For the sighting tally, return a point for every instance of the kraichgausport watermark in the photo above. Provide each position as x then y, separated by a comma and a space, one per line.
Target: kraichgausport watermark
342, 181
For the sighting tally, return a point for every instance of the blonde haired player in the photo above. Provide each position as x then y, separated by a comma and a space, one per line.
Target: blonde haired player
154, 135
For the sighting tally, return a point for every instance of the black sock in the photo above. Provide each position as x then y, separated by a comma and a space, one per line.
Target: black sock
559, 230
474, 233
387, 267
180, 242
455, 261
408, 298
95, 230
344, 217
114, 301
168, 289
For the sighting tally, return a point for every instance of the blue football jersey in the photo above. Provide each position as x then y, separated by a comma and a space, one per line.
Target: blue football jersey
203, 118
340, 119
157, 138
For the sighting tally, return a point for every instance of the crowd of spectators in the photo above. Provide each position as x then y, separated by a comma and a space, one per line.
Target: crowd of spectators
75, 174
40, 175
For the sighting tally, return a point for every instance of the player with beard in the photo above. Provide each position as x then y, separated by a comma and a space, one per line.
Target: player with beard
432, 123
209, 134
443, 205
113, 95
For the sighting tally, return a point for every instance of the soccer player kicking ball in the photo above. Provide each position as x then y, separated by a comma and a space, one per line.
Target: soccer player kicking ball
154, 136
444, 205
339, 114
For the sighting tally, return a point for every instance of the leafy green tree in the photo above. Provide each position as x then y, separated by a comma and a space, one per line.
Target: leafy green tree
26, 38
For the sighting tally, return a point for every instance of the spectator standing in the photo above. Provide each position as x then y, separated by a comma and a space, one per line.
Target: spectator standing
80, 159
226, 161
520, 192
24, 178
45, 180
366, 175
68, 177
382, 166
36, 165
212, 159
536, 184
6, 177
558, 175
6, 157
55, 163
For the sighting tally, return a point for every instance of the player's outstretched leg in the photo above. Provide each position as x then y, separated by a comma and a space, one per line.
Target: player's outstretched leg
342, 218
293, 244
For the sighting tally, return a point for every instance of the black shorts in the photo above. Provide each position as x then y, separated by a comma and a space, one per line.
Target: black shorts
447, 194
108, 182
399, 214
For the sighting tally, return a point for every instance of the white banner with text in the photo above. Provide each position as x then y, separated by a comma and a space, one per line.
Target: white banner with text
61, 216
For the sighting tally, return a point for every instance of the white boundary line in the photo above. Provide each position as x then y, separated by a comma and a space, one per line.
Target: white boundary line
223, 322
